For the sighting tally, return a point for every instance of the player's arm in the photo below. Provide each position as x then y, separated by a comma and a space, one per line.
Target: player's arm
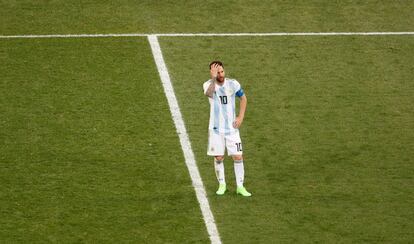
239, 119
210, 90
213, 73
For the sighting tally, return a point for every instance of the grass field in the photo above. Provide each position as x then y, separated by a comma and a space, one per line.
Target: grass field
81, 159
89, 152
328, 136
166, 16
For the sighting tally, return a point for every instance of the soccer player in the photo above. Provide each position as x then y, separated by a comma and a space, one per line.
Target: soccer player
224, 125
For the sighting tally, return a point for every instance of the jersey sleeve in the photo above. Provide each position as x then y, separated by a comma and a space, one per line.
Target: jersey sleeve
237, 87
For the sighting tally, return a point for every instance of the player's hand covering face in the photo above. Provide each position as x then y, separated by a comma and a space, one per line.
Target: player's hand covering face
217, 73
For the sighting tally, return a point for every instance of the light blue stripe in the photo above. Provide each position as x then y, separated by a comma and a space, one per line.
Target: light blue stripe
233, 86
216, 112
233, 98
234, 114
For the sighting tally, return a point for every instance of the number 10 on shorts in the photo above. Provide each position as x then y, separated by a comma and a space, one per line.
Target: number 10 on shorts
239, 147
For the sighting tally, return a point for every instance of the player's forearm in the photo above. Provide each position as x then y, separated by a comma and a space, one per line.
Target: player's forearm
243, 105
210, 89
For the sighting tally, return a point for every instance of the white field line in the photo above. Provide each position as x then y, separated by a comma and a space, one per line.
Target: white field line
292, 34
185, 142
209, 34
71, 36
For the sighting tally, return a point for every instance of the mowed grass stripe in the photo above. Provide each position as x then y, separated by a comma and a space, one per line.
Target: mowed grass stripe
88, 149
328, 135
66, 17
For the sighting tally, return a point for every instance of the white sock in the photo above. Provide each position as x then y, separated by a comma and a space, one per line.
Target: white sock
219, 168
239, 172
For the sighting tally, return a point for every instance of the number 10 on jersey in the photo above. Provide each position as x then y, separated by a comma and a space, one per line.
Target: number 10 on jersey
223, 99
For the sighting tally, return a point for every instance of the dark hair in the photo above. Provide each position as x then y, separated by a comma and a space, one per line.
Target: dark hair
216, 62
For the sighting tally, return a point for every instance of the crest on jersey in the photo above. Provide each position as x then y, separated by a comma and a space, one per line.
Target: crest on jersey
229, 91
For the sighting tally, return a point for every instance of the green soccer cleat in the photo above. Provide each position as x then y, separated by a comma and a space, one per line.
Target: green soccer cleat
221, 190
242, 191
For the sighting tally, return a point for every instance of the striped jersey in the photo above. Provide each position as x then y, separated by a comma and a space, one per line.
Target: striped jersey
223, 106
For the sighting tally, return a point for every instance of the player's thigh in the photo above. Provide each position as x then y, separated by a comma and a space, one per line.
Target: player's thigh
216, 144
234, 144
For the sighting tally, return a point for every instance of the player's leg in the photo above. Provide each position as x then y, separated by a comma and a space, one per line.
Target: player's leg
234, 148
219, 168
216, 147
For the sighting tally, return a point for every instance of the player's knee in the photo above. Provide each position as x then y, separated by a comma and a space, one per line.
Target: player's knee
237, 157
219, 158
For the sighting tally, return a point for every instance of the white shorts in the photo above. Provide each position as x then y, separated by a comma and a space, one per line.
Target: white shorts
218, 142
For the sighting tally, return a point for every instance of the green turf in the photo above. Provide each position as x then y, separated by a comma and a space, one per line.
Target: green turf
89, 153
328, 135
63, 17
88, 149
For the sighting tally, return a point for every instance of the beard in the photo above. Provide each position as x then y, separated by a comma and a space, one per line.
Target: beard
220, 79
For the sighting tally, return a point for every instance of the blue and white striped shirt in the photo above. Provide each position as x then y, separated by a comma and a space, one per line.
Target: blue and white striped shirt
223, 106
